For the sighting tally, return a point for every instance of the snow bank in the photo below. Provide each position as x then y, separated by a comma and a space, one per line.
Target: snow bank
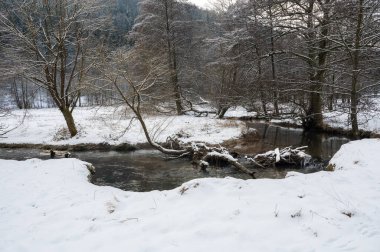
107, 124
50, 206
239, 111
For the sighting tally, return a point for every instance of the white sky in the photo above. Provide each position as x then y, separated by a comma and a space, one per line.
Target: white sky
207, 3
201, 3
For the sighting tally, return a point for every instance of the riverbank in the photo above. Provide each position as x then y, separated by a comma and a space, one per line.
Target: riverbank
327, 128
109, 126
51, 206
335, 122
79, 147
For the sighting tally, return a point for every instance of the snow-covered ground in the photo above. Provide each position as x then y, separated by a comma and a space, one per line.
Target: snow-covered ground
368, 117
239, 112
107, 124
50, 206
368, 121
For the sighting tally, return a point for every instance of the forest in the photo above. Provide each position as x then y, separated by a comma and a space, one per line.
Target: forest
282, 59
189, 125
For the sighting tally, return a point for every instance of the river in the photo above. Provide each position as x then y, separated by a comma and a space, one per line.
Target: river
146, 170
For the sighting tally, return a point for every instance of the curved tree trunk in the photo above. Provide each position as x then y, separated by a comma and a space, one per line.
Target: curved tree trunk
222, 111
67, 114
151, 142
197, 151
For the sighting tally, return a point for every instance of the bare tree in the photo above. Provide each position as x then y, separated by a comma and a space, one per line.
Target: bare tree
22, 93
3, 127
156, 35
358, 35
50, 43
136, 95
310, 20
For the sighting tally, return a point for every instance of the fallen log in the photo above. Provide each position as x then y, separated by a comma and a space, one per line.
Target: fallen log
203, 155
285, 156
232, 161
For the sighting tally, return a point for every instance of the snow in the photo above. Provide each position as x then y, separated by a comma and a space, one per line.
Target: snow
278, 157
238, 111
368, 121
368, 116
225, 156
107, 124
50, 206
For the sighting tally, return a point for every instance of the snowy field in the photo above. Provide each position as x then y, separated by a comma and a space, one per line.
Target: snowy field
368, 116
97, 125
107, 124
369, 121
50, 206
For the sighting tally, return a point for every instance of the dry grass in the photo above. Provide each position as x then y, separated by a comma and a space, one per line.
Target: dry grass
229, 123
62, 134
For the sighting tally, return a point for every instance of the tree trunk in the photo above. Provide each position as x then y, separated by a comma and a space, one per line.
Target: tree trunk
332, 96
276, 93
263, 103
354, 110
69, 121
331, 102
261, 86
177, 93
315, 118
176, 87
222, 111
355, 71
172, 56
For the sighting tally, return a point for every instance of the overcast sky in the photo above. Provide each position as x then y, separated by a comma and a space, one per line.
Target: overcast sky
206, 3
201, 3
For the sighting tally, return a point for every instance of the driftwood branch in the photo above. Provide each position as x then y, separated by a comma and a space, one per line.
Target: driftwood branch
232, 161
203, 155
283, 156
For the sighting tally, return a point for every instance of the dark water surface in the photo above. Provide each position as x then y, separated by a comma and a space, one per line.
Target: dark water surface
146, 170
320, 145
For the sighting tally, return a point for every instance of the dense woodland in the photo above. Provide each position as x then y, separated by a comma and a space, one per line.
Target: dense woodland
280, 58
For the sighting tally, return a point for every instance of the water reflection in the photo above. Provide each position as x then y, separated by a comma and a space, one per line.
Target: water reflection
143, 170
147, 170
320, 145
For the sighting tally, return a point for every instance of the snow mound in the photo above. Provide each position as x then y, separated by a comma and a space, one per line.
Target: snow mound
51, 206
362, 154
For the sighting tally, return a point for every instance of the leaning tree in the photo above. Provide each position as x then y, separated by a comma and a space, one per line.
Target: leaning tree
137, 94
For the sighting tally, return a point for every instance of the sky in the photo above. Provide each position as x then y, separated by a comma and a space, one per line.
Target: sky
201, 3
207, 3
